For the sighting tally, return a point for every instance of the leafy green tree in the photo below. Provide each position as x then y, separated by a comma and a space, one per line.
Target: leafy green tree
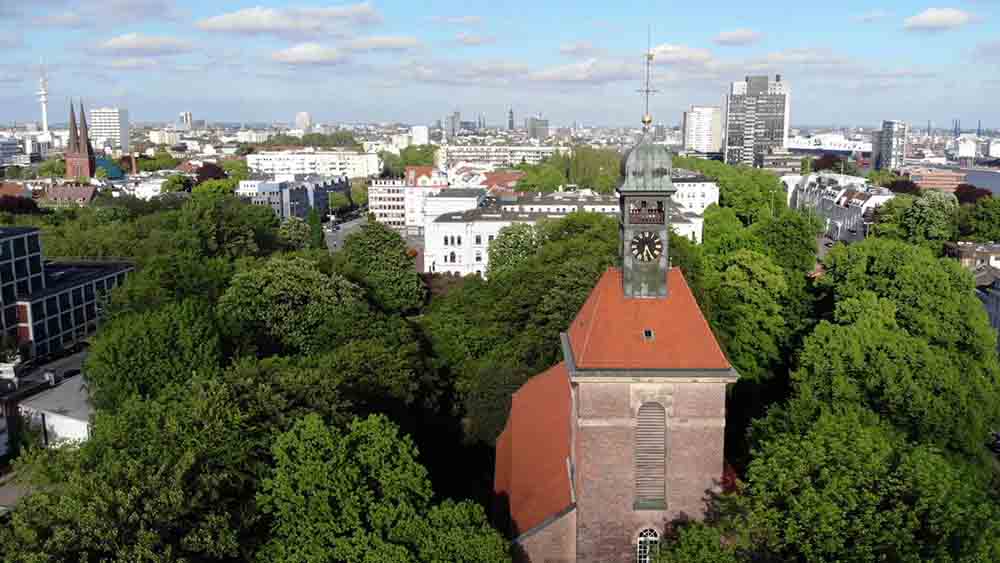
747, 292
225, 226
882, 177
806, 165
140, 354
177, 183
418, 155
751, 193
376, 257
101, 173
161, 161
170, 480
984, 220
546, 177
52, 168
847, 488
359, 192
513, 245
172, 277
968, 194
222, 187
488, 403
294, 233
14, 173
724, 233
316, 237
392, 165
236, 169
287, 304
789, 237
697, 542
339, 202
361, 496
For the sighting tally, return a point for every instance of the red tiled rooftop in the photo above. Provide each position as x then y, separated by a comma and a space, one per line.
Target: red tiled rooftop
531, 468
14, 190
607, 333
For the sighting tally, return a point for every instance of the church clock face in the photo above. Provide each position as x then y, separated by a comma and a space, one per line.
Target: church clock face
646, 246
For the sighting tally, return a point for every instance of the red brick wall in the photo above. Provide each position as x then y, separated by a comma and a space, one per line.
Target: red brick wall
555, 543
607, 523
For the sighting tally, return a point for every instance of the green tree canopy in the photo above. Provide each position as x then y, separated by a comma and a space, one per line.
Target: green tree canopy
177, 183
225, 186
513, 245
376, 257
143, 353
360, 496
52, 168
983, 223
236, 169
294, 233
226, 226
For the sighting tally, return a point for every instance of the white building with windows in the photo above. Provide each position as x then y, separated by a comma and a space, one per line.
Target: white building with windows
248, 136
420, 135
889, 145
499, 155
324, 163
168, 138
401, 203
702, 129
9, 148
110, 127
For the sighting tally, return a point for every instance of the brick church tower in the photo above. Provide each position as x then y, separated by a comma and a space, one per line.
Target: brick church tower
602, 451
79, 152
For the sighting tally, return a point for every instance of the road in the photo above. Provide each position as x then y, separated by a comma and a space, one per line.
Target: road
335, 239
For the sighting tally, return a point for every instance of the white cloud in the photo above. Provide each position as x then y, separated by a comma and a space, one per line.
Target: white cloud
383, 43
149, 45
309, 54
579, 49
474, 40
737, 37
132, 63
680, 54
937, 19
592, 71
293, 21
458, 20
871, 16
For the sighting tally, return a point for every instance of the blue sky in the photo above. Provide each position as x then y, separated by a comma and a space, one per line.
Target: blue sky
850, 62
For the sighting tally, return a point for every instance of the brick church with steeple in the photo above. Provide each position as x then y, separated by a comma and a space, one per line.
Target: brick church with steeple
79, 152
603, 450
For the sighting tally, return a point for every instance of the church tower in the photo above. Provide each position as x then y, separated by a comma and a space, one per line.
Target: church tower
79, 152
604, 450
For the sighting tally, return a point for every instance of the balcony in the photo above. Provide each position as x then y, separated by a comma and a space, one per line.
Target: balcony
646, 217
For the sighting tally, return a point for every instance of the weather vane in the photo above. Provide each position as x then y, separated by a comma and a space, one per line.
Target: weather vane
647, 119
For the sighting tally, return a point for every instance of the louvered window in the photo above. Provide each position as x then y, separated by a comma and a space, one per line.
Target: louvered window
651, 457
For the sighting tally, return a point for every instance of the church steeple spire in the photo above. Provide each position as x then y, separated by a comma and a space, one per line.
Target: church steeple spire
73, 144
85, 147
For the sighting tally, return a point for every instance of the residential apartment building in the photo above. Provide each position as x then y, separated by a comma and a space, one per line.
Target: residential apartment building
46, 307
109, 127
694, 192
889, 145
293, 195
9, 149
168, 138
934, 178
702, 129
537, 127
756, 120
311, 162
247, 136
499, 155
846, 204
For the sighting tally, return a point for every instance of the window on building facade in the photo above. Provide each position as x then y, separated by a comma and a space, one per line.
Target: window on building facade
479, 256
651, 457
645, 547
452, 258
459, 243
479, 239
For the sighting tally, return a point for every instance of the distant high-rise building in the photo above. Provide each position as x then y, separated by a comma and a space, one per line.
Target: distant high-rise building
510, 119
702, 129
756, 118
659, 132
110, 127
452, 125
79, 153
303, 121
889, 145
185, 121
537, 127
419, 135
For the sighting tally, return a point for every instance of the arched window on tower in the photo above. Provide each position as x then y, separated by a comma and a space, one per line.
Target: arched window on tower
651, 457
645, 548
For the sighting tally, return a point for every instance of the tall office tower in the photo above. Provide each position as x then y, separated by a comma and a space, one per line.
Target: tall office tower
537, 127
109, 126
510, 119
702, 129
43, 100
756, 118
659, 133
889, 145
303, 121
419, 135
452, 125
185, 120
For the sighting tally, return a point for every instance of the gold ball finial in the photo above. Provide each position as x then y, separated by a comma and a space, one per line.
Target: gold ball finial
647, 120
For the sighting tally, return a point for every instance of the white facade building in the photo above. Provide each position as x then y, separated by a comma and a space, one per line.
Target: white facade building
9, 148
703, 129
246, 136
458, 241
110, 127
401, 203
966, 147
694, 192
420, 135
845, 203
324, 163
499, 155
303, 121
889, 145
164, 137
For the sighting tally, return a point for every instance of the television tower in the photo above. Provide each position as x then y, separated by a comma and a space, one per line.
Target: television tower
43, 98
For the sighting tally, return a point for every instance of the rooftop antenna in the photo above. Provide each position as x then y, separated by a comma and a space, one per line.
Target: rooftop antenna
647, 119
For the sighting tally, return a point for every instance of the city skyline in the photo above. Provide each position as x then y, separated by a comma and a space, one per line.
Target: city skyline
389, 61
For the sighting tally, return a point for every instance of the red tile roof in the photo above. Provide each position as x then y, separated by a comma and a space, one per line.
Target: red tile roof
608, 331
531, 471
14, 190
504, 178
68, 193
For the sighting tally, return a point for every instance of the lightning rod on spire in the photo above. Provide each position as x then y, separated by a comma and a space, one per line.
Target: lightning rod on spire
647, 119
